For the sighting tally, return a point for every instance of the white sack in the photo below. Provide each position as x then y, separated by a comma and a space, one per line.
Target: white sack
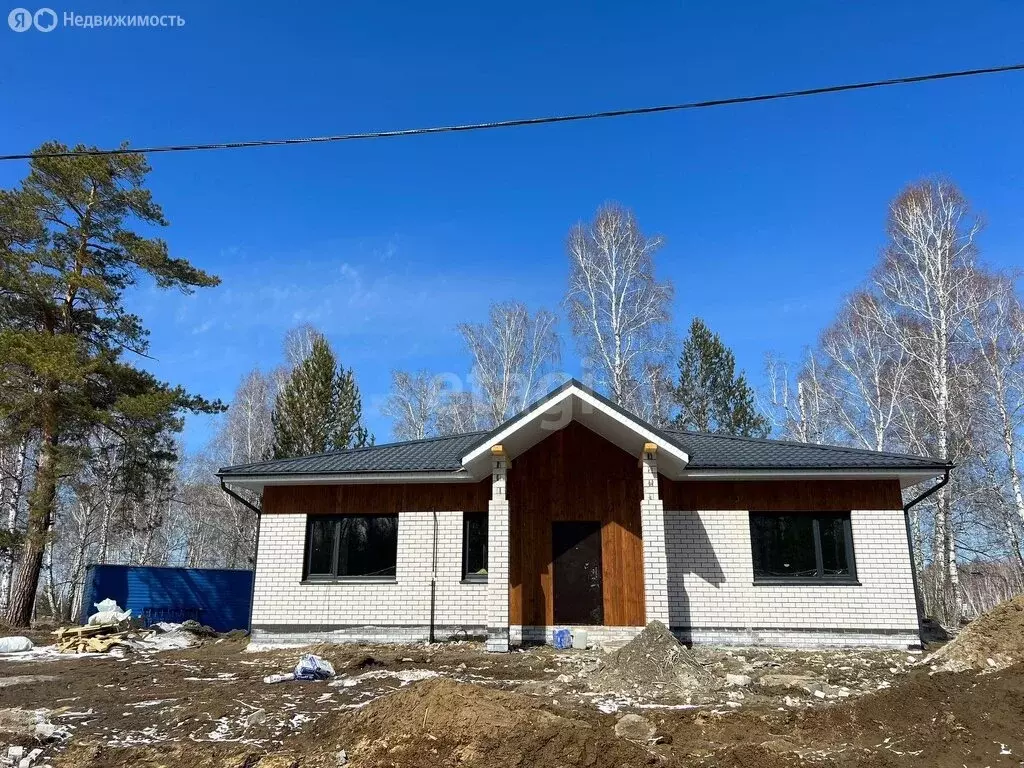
16, 644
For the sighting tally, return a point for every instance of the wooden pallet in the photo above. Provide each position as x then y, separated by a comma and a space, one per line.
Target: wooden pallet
92, 638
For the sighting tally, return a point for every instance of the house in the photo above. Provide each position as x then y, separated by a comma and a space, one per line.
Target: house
576, 513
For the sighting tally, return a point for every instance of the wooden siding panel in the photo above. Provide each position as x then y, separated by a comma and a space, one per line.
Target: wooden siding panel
575, 475
383, 499
781, 495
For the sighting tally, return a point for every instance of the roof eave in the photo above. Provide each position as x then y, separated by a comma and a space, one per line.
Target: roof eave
258, 481
907, 476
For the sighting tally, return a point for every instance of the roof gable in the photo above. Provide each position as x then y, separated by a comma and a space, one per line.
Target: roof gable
574, 401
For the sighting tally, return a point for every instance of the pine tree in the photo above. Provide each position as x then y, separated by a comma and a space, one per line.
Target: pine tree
710, 395
319, 407
67, 255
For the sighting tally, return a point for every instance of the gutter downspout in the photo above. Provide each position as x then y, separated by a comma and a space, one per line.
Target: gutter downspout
433, 581
256, 549
918, 597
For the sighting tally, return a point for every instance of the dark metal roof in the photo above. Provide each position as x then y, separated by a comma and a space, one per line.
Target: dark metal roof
437, 454
713, 451
706, 451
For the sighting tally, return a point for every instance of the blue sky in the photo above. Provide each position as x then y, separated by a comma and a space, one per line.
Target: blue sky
771, 212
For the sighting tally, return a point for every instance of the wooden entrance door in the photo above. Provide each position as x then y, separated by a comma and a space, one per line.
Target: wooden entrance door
577, 585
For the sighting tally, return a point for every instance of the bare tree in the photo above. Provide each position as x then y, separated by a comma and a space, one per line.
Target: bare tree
460, 412
866, 372
246, 435
998, 326
414, 403
16, 459
619, 312
656, 393
296, 347
797, 404
510, 353
927, 276
298, 343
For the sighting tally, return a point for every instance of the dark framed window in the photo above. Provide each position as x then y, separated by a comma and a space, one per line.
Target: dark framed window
813, 547
351, 546
474, 546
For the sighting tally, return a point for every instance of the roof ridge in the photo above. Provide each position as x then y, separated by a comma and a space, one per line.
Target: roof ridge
823, 446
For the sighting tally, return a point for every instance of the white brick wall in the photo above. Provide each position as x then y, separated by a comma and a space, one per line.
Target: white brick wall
712, 597
281, 601
652, 525
705, 576
497, 612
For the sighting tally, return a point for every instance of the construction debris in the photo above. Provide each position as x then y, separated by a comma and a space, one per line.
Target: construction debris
92, 638
170, 637
103, 638
19, 758
18, 724
800, 682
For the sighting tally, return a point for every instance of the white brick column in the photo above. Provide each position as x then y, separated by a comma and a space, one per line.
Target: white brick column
652, 524
498, 554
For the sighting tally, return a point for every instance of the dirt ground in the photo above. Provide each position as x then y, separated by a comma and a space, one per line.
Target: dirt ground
456, 705
993, 640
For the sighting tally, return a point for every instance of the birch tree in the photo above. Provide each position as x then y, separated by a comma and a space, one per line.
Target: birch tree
296, 347
510, 354
618, 310
797, 402
927, 276
15, 475
461, 412
998, 330
866, 371
298, 344
245, 436
414, 404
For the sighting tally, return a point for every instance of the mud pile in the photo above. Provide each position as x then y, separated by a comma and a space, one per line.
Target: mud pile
994, 640
442, 722
653, 662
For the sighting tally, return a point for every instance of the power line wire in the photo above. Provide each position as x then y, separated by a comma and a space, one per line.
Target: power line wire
527, 121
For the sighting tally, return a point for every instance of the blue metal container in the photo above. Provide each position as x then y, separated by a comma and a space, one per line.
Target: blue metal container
217, 597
